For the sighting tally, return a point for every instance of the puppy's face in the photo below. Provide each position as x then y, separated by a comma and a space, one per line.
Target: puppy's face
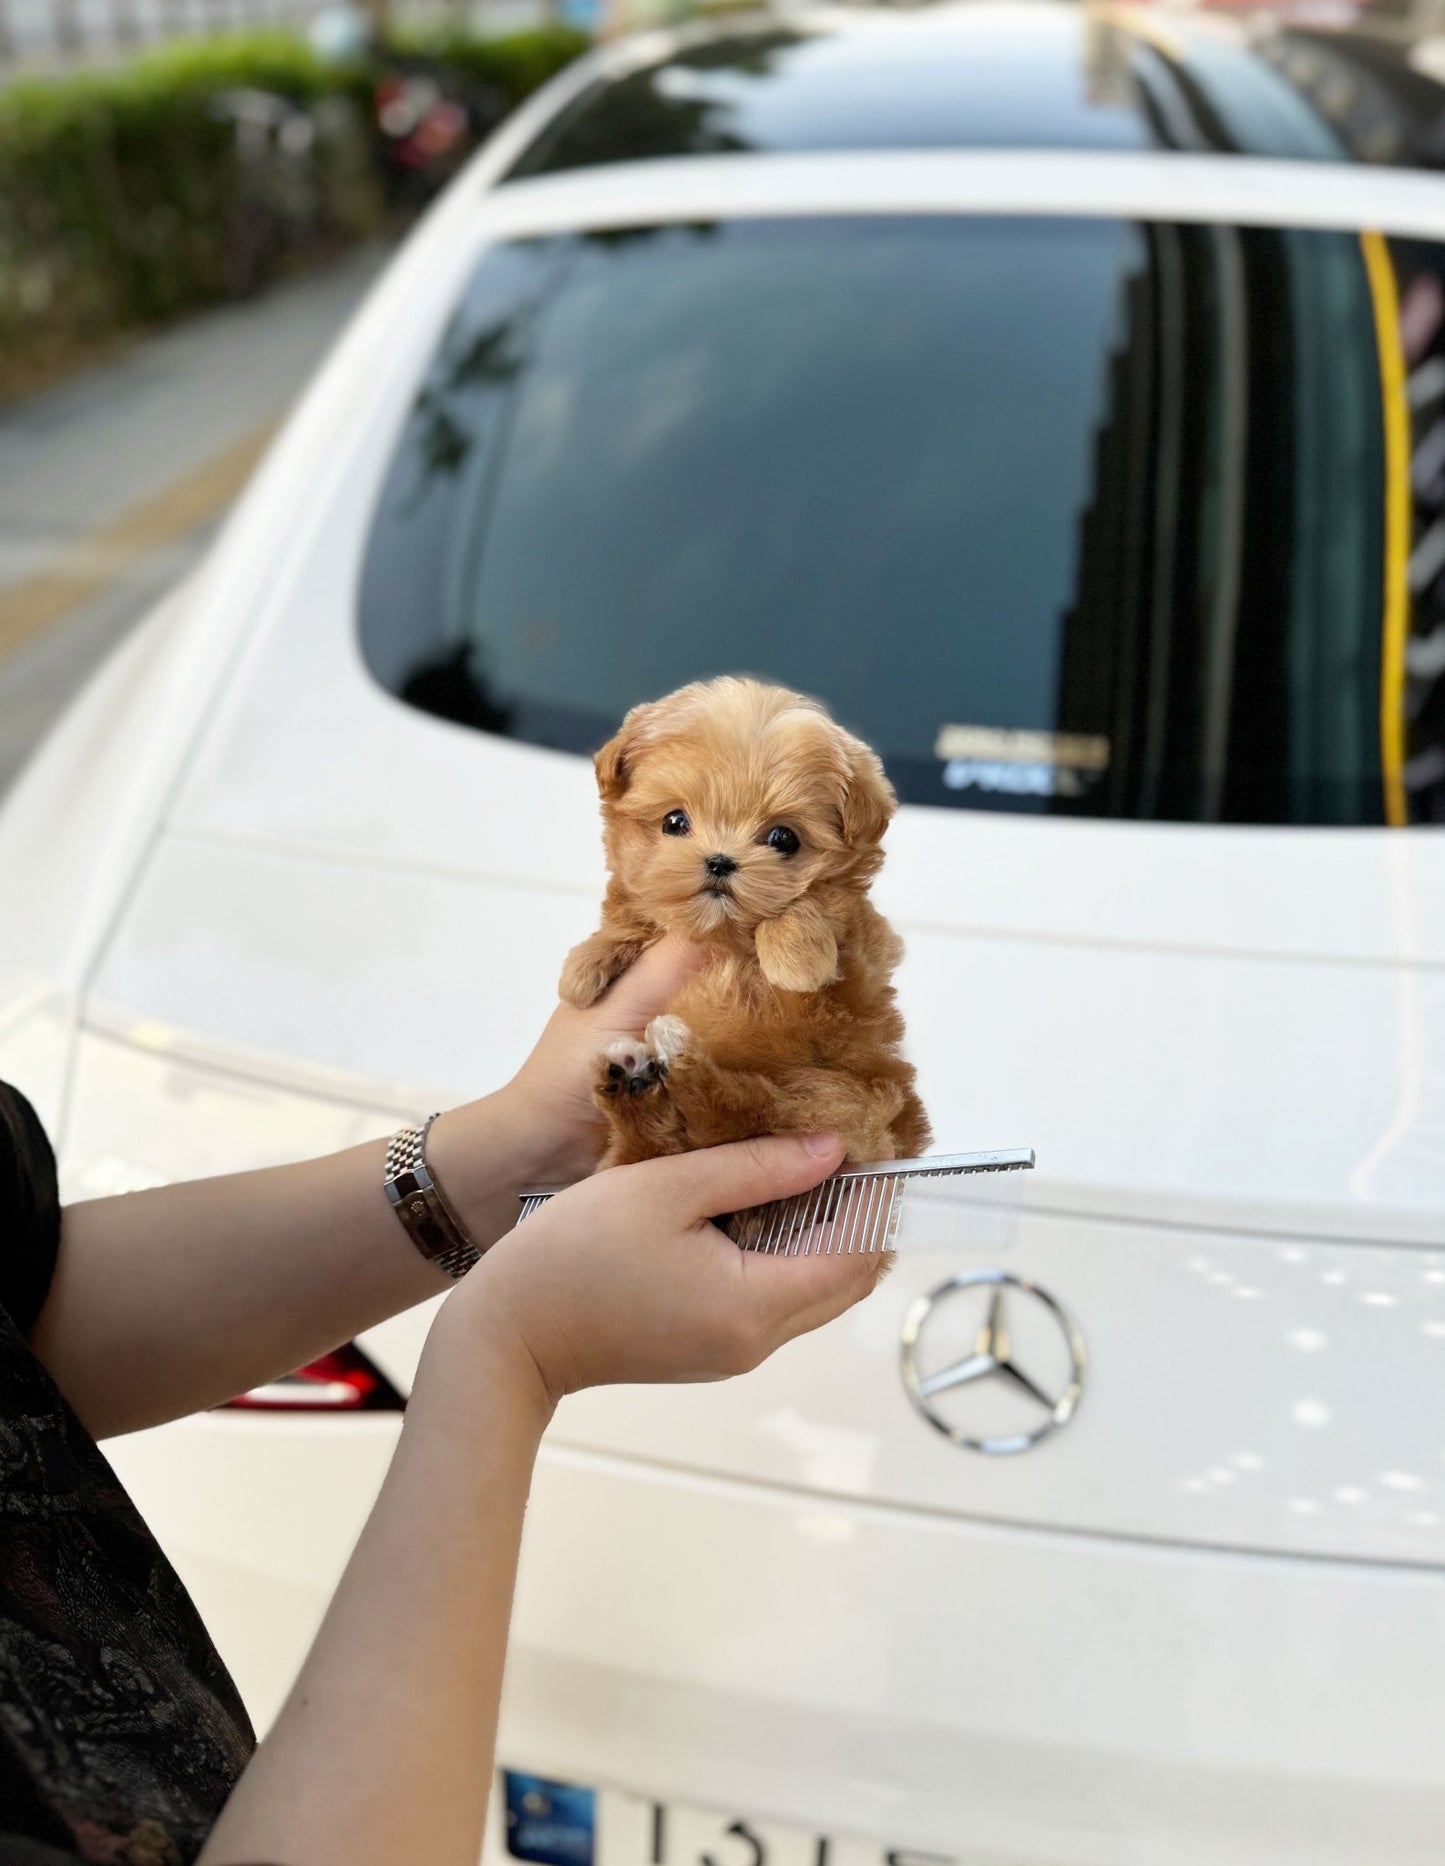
728, 802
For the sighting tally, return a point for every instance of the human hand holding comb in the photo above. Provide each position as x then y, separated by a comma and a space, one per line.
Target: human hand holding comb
625, 1278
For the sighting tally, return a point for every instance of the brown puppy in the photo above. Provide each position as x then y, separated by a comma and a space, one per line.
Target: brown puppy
741, 817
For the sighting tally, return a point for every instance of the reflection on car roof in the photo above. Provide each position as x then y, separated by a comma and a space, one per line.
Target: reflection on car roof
1002, 74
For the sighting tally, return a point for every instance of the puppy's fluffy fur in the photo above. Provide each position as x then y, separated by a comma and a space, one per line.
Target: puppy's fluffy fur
791, 1027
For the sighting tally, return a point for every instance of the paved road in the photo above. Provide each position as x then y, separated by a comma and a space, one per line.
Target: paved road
111, 486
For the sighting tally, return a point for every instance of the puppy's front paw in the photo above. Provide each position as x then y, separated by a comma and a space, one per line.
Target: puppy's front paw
590, 968
626, 1069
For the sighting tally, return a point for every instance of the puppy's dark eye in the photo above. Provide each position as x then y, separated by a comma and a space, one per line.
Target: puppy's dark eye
782, 839
677, 823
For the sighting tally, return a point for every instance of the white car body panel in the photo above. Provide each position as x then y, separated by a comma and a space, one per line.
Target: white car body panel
789, 1597
1244, 191
1016, 1037
1241, 1390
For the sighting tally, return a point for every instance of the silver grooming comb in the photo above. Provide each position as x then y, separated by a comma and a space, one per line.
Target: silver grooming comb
934, 1203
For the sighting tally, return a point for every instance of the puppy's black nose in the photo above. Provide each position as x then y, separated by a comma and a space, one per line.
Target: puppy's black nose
720, 865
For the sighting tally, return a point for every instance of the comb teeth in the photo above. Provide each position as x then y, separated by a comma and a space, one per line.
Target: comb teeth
858, 1209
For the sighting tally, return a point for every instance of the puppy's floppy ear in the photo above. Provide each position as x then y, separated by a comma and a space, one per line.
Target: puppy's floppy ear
798, 951
868, 800
613, 764
610, 764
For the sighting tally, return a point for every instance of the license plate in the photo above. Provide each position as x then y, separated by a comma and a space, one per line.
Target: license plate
552, 1823
561, 1824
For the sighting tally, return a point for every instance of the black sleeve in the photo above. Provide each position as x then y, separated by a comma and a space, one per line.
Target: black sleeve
29, 1210
16, 1850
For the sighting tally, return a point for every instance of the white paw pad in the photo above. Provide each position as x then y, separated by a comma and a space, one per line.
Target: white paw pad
628, 1067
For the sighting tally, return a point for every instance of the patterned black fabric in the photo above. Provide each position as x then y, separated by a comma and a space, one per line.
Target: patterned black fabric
29, 1211
121, 1733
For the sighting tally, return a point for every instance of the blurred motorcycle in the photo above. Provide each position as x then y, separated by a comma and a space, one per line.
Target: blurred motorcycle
428, 120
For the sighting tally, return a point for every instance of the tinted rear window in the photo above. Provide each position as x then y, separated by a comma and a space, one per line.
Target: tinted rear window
1074, 516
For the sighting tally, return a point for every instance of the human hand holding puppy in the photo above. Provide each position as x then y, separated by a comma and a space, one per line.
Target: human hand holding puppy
559, 1136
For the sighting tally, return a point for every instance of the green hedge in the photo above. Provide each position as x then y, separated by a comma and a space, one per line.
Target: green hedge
123, 202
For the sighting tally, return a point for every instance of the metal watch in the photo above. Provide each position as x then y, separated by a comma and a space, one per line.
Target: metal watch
421, 1205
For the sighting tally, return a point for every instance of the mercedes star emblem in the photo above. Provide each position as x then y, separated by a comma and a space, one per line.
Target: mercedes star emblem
998, 1296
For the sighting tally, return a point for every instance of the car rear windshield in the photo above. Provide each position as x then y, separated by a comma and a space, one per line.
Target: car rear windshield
1070, 516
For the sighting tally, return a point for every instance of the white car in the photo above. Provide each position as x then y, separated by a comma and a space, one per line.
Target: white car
1046, 390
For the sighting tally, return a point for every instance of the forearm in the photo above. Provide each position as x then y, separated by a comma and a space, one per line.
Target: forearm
175, 1299
384, 1750
386, 1747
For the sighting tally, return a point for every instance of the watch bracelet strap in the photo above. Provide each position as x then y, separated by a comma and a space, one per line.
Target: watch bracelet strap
422, 1206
